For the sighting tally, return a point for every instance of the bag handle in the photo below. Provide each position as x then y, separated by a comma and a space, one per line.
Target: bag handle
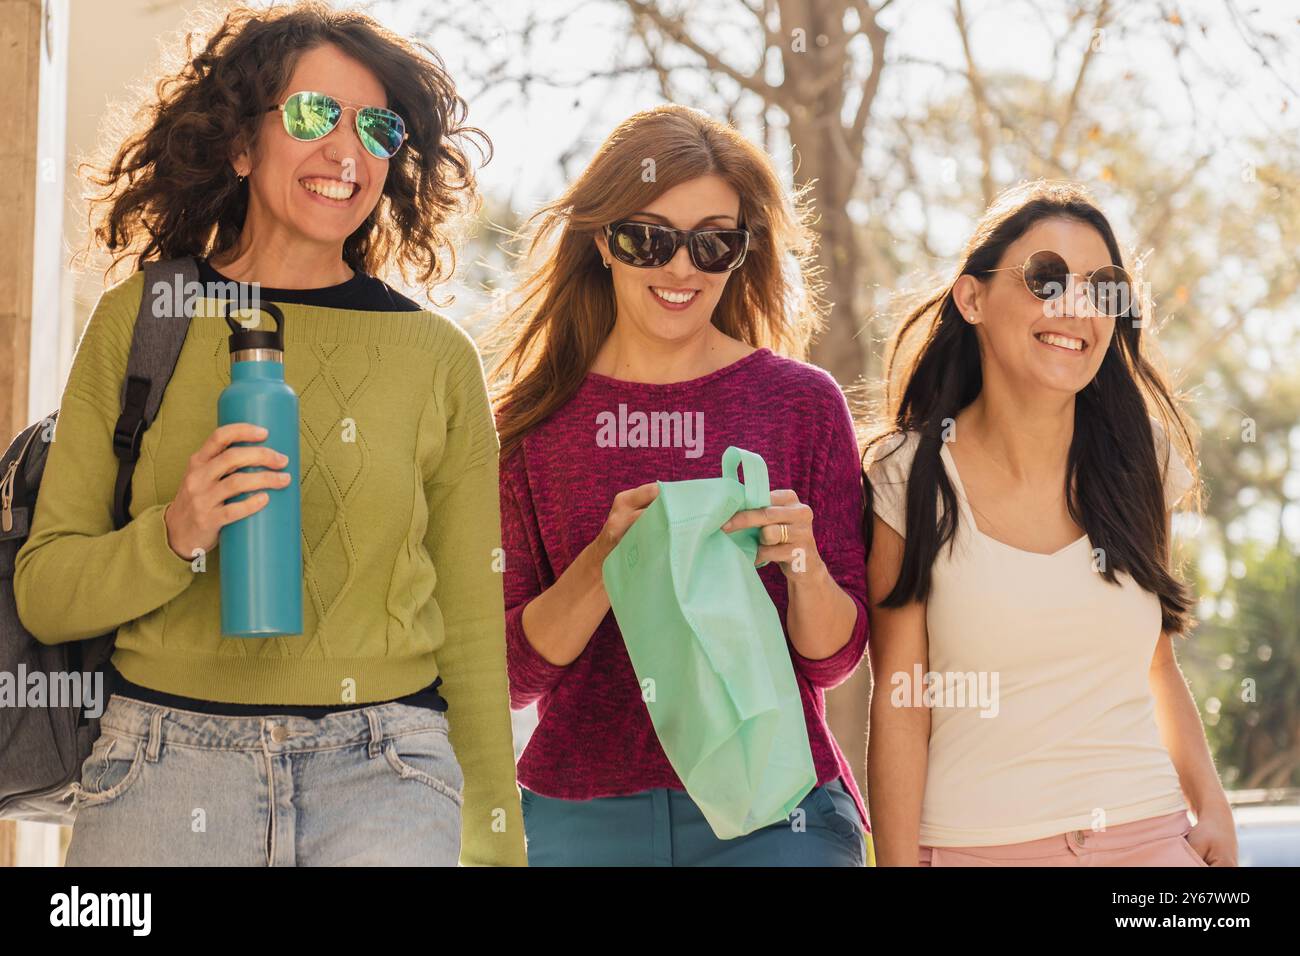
757, 492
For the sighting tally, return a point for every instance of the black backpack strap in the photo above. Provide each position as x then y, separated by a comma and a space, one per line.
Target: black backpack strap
155, 345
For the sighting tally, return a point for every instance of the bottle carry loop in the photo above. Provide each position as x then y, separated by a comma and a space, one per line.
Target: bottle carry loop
253, 336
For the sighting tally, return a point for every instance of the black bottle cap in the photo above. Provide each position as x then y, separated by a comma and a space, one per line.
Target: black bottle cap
259, 337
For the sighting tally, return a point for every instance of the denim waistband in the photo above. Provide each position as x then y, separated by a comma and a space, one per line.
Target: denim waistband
157, 724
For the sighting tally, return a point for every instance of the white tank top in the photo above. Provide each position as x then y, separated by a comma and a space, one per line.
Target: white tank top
1055, 656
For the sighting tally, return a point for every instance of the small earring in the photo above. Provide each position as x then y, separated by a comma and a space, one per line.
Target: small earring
606, 262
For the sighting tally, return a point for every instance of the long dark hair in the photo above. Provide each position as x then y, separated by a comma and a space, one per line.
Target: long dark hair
1113, 479
169, 189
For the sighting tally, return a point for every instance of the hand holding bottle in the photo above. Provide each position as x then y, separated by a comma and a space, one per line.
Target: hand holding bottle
197, 514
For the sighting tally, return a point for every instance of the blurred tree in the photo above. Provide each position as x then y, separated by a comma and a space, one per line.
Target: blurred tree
488, 263
1247, 674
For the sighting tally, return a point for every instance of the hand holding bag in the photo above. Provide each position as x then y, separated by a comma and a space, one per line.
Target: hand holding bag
709, 650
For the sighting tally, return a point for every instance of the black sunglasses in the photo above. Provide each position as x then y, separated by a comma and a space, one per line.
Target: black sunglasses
1047, 275
648, 245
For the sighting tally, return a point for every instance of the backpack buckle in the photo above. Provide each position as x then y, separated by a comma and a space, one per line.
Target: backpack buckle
127, 439
128, 433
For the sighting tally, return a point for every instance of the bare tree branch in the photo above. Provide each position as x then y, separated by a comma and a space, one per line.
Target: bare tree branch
1252, 41
676, 31
876, 37
1072, 102
980, 97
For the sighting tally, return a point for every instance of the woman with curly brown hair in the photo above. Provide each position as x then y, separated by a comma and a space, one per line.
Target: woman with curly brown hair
304, 150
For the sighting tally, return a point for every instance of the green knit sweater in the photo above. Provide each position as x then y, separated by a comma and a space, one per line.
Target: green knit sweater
400, 531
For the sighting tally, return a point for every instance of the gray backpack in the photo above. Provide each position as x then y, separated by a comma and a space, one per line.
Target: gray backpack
42, 746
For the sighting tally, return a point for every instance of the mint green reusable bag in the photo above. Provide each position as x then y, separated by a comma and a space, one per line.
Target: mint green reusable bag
707, 646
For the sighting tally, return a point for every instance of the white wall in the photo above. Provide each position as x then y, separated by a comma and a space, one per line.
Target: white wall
45, 382
38, 844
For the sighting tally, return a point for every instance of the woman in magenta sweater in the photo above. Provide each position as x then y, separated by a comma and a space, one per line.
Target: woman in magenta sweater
664, 287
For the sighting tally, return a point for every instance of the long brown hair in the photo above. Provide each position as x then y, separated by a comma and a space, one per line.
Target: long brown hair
565, 308
170, 189
1113, 478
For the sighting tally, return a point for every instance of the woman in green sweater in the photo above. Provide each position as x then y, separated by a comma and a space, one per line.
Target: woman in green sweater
304, 149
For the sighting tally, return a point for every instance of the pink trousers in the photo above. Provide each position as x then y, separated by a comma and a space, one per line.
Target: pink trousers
1157, 841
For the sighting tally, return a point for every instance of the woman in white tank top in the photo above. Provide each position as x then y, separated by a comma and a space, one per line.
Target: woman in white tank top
1028, 709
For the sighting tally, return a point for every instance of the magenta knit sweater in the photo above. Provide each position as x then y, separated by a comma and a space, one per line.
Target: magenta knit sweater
594, 737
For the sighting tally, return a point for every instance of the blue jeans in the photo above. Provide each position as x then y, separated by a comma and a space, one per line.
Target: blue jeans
379, 785
664, 827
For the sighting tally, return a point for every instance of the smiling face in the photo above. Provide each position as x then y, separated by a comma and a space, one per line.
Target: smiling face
319, 191
675, 301
1057, 345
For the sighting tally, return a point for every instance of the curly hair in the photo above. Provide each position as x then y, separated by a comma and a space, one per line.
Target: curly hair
170, 188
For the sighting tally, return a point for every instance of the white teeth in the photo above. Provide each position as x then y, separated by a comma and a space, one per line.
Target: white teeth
677, 298
1052, 338
341, 191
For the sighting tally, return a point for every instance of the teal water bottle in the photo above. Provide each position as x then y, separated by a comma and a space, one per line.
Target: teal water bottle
261, 554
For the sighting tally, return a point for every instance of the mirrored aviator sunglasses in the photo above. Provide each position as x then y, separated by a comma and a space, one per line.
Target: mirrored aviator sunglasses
1047, 276
309, 116
648, 245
